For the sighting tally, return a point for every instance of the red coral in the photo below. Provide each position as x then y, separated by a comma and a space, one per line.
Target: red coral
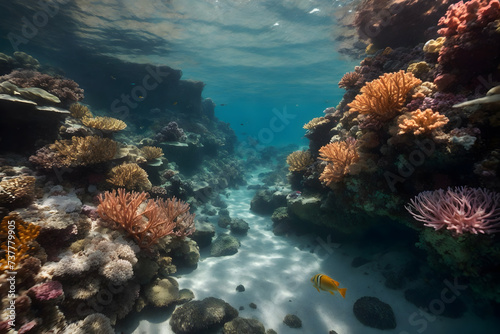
472, 15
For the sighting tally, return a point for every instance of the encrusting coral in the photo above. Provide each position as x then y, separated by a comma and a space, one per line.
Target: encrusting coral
384, 97
104, 123
434, 46
421, 122
82, 151
313, 123
16, 241
299, 160
79, 111
151, 152
342, 155
129, 176
17, 191
146, 224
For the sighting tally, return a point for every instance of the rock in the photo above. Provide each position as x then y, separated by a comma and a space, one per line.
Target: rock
244, 325
201, 316
185, 295
253, 306
240, 288
271, 331
266, 201
391, 22
239, 226
145, 270
430, 298
280, 215
224, 245
203, 234
224, 221
398, 267
162, 292
202, 191
372, 312
292, 321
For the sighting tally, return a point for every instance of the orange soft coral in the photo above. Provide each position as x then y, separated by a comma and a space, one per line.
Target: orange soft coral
421, 122
17, 237
343, 155
149, 222
384, 97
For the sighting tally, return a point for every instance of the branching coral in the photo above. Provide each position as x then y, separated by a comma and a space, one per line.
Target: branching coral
313, 123
384, 97
18, 191
349, 80
104, 123
299, 160
421, 122
17, 237
146, 223
82, 151
463, 209
342, 155
80, 111
129, 176
151, 152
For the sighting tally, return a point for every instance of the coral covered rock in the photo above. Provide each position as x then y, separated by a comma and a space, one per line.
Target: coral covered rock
162, 292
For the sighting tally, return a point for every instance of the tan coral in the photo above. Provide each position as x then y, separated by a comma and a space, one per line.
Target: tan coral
342, 156
299, 160
82, 151
104, 123
313, 123
129, 176
423, 90
151, 152
434, 46
421, 122
79, 111
18, 191
419, 69
384, 97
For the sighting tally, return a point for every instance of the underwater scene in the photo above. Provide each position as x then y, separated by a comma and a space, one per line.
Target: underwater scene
249, 166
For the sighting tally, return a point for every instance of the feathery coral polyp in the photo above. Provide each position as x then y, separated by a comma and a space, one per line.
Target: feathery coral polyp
463, 209
384, 97
421, 122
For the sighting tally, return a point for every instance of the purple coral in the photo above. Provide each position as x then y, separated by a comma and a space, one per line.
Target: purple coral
66, 90
171, 132
463, 209
46, 291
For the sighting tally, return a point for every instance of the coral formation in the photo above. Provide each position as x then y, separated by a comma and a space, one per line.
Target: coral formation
80, 111
312, 124
463, 209
434, 46
171, 132
299, 160
82, 151
129, 176
421, 122
342, 156
17, 191
350, 80
148, 224
104, 123
17, 237
151, 152
384, 97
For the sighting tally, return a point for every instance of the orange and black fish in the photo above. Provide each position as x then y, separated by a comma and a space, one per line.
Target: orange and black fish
326, 283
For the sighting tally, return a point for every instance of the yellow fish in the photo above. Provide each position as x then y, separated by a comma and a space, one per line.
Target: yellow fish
326, 283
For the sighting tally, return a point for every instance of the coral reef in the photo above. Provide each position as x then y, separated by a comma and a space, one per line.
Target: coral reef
80, 111
108, 124
148, 224
171, 132
312, 124
299, 160
151, 152
383, 98
129, 176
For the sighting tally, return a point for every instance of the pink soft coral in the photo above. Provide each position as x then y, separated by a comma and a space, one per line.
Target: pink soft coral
460, 210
